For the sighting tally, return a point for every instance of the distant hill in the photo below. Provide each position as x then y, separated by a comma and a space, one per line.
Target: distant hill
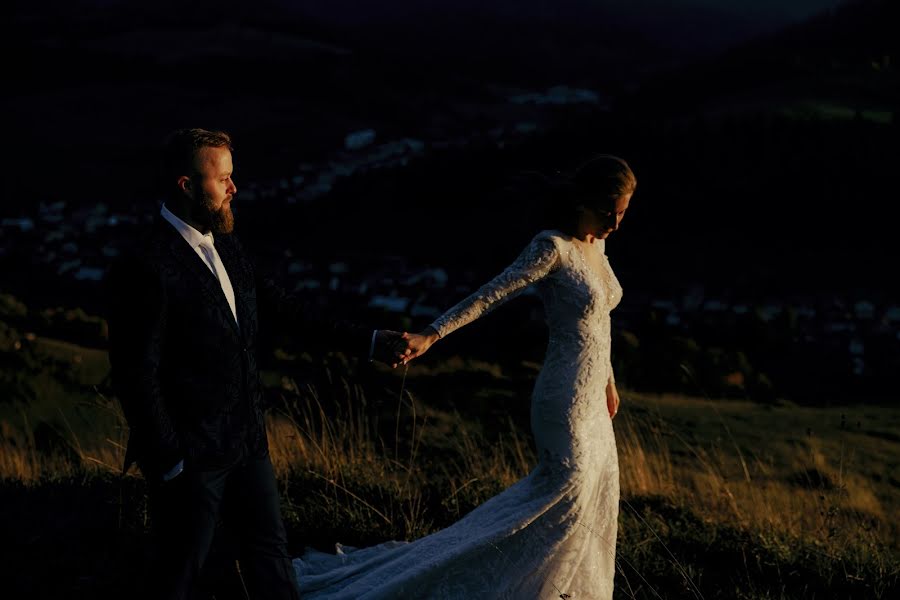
841, 59
101, 82
737, 152
97, 79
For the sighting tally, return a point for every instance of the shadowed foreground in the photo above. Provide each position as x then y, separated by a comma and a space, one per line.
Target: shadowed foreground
719, 499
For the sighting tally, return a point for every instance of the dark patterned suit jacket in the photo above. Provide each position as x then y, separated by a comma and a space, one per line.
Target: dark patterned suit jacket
185, 373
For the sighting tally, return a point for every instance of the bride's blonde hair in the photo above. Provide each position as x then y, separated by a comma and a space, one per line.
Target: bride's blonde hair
601, 177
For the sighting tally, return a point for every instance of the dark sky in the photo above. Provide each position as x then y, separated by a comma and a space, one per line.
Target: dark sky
732, 20
93, 86
93, 83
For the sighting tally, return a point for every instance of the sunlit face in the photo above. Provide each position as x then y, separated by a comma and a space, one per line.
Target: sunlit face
213, 190
602, 218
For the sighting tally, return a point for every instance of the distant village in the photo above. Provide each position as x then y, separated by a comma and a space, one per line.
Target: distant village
76, 245
79, 247
78, 242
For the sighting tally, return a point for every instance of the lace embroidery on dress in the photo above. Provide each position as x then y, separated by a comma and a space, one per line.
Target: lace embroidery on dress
552, 534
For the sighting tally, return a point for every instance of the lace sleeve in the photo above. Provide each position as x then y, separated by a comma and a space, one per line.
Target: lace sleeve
539, 259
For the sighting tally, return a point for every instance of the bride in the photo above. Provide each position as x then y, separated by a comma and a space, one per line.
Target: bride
552, 534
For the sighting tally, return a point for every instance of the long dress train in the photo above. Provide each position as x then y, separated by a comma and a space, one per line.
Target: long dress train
552, 534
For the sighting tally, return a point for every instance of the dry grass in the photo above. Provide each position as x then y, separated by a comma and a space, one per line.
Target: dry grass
806, 487
798, 482
341, 447
809, 492
64, 453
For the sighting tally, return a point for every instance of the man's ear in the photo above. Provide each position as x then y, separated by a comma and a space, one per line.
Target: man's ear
184, 184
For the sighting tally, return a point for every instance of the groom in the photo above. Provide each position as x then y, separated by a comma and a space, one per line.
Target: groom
184, 316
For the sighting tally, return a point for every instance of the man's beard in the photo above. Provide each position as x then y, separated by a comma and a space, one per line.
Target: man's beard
218, 221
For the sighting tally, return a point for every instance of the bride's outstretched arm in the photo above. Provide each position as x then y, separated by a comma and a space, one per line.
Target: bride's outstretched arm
538, 260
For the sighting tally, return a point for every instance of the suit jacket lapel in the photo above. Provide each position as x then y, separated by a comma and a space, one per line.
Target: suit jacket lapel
188, 257
238, 276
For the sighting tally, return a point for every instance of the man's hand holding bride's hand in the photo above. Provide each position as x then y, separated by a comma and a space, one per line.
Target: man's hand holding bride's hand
418, 344
390, 347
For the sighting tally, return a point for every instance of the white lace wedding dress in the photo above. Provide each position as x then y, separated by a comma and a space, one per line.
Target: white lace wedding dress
553, 534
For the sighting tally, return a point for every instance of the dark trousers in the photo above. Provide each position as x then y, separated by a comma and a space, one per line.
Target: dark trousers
185, 513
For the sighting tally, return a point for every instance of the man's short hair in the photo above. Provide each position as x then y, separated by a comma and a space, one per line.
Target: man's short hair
182, 146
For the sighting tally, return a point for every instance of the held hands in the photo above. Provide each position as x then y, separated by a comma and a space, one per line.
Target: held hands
390, 347
394, 348
612, 399
418, 344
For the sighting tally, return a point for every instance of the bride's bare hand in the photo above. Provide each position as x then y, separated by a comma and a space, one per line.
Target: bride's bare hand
418, 344
612, 399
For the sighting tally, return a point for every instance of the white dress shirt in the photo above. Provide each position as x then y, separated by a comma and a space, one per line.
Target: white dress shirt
205, 249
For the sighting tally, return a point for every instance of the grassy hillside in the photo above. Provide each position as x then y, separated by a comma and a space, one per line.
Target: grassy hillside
720, 499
